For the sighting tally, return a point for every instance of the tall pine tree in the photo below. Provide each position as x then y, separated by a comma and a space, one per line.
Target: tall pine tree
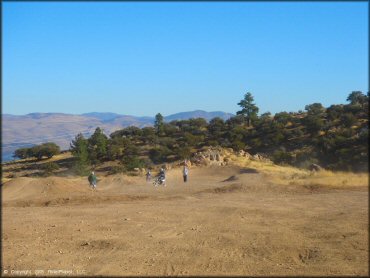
159, 124
79, 149
97, 146
249, 109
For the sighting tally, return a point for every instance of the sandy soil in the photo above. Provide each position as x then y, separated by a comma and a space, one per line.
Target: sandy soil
224, 221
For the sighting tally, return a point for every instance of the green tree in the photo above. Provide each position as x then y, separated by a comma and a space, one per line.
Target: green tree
97, 146
216, 129
46, 149
184, 152
313, 124
357, 97
158, 123
334, 112
282, 117
148, 135
79, 149
50, 149
159, 154
314, 121
22, 153
115, 147
315, 109
249, 109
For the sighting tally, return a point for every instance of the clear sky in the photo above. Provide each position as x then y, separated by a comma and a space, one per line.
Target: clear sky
143, 58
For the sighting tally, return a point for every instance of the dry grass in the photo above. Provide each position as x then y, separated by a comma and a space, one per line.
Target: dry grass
21, 167
288, 175
282, 175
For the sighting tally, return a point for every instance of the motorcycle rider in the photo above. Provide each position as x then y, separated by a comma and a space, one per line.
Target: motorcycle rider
162, 176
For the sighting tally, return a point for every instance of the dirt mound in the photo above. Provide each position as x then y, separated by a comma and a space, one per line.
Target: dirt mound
26, 188
231, 178
235, 187
248, 171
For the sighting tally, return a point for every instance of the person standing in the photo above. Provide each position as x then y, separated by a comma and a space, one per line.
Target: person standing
185, 173
92, 180
148, 175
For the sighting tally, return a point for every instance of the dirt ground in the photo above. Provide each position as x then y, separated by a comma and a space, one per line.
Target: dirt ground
224, 221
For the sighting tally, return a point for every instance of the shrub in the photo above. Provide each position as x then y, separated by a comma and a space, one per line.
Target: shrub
49, 168
39, 151
22, 153
81, 169
184, 152
348, 119
237, 145
46, 149
117, 169
159, 155
282, 157
132, 162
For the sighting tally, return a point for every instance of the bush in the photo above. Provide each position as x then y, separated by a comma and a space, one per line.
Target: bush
22, 153
305, 159
159, 155
39, 151
282, 157
348, 119
46, 149
81, 169
184, 152
130, 163
49, 168
117, 169
237, 145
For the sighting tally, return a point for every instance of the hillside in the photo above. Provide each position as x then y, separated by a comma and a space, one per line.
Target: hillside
335, 137
36, 128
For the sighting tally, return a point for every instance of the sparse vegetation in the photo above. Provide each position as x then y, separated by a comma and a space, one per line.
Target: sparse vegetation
39, 151
333, 137
49, 168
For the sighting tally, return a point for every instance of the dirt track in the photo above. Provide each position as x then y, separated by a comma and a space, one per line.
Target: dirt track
224, 221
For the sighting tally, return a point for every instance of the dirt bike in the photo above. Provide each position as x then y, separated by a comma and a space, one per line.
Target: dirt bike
159, 181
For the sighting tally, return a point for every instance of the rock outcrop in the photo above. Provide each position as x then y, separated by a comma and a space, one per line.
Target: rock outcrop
211, 156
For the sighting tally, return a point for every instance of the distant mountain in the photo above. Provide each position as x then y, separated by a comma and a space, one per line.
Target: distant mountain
36, 128
198, 114
102, 116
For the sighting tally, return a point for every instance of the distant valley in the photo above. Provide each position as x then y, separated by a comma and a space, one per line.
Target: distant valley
35, 128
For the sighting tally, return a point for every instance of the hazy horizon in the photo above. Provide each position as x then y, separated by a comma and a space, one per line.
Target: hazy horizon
121, 114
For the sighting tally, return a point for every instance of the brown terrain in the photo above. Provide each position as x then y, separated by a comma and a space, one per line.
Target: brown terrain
246, 218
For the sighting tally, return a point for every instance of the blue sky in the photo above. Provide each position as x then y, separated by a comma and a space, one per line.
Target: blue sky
143, 58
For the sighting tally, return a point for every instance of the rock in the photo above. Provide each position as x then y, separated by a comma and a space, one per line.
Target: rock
230, 150
218, 157
247, 155
256, 157
85, 244
315, 167
209, 156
